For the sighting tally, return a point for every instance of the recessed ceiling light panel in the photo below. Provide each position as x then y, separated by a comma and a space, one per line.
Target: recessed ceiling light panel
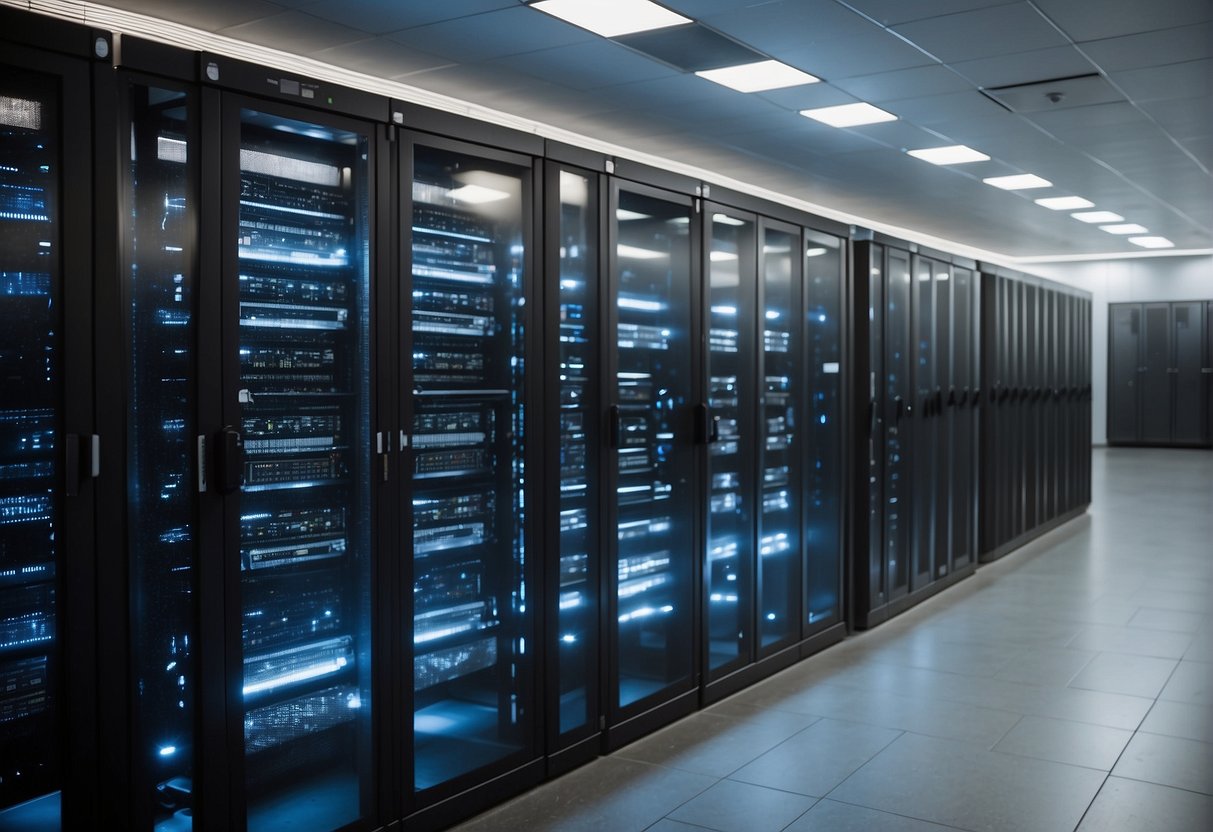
1018, 182
849, 115
1097, 216
758, 76
611, 18
1152, 242
1127, 228
955, 154
1064, 203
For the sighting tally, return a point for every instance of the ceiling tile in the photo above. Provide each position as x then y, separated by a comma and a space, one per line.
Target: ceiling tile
999, 30
1183, 118
788, 23
211, 16
483, 37
936, 109
1025, 67
808, 97
1187, 80
1083, 120
382, 16
899, 135
295, 32
583, 66
904, 83
890, 12
1165, 46
828, 58
1112, 18
380, 57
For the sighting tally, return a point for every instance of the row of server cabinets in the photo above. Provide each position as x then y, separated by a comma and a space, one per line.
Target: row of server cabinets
352, 474
1036, 421
1160, 373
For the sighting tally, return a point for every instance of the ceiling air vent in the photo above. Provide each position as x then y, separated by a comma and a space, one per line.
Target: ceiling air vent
1057, 94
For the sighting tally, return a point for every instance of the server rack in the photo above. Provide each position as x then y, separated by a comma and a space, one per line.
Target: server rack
916, 367
1159, 374
1035, 429
48, 451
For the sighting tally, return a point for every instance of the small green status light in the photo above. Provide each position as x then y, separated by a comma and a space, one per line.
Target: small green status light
330, 99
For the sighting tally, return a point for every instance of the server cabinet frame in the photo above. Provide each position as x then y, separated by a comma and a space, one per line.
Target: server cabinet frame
478, 789
627, 723
566, 750
63, 54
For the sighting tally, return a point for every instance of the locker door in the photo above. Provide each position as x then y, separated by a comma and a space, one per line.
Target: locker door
1206, 372
899, 421
1188, 327
944, 416
1029, 395
1124, 378
964, 438
925, 372
1157, 382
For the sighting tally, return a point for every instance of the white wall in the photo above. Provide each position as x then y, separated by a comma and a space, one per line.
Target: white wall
1117, 281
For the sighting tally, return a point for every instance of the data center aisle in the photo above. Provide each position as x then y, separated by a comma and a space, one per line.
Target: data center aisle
1067, 686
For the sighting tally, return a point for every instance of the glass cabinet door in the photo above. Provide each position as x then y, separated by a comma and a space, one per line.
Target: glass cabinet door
823, 498
780, 553
729, 560
304, 504
899, 425
650, 422
576, 646
471, 617
31, 364
925, 370
160, 292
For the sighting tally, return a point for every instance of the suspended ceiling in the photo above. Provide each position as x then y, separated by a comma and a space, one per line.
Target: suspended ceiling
1140, 146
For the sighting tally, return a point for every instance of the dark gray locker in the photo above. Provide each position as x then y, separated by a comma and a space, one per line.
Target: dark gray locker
963, 405
1029, 397
1206, 371
944, 416
1156, 382
1188, 328
1124, 423
925, 473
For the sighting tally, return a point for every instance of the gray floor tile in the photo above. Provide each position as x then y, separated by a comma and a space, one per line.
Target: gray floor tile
667, 825
1180, 719
1168, 761
1047, 666
1075, 743
716, 744
1188, 601
818, 758
1131, 806
1192, 682
1157, 643
1149, 618
1125, 673
743, 807
832, 816
1201, 647
960, 785
608, 795
928, 650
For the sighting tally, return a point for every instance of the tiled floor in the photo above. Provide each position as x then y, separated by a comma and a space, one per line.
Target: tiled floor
1067, 686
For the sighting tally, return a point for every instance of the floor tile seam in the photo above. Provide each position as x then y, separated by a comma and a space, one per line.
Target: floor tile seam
1172, 736
1208, 794
1104, 771
900, 815
1008, 731
697, 794
1085, 665
814, 797
683, 822
865, 764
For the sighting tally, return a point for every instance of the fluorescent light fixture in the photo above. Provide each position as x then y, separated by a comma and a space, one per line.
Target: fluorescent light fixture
1097, 216
758, 76
1064, 203
1152, 242
722, 256
1018, 182
814, 252
612, 18
477, 194
626, 215
725, 219
1126, 228
639, 253
849, 115
955, 154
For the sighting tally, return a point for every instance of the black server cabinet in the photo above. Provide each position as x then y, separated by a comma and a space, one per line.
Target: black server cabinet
963, 398
470, 447
651, 408
1158, 374
297, 190
732, 554
574, 228
48, 456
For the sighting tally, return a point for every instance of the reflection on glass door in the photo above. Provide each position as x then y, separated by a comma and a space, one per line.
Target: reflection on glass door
304, 503
823, 512
30, 418
577, 598
780, 496
650, 426
160, 292
471, 617
729, 561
